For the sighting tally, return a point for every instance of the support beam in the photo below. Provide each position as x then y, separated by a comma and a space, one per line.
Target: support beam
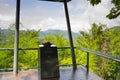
16, 42
70, 35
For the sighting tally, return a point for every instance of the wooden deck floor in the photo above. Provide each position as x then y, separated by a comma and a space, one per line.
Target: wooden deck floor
65, 74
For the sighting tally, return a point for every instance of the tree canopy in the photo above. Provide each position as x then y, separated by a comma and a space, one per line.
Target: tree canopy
103, 39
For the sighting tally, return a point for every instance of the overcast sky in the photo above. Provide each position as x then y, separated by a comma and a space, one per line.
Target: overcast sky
51, 15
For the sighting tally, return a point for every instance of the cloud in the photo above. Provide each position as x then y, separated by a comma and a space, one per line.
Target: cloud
81, 4
44, 17
6, 17
7, 9
7, 14
90, 14
45, 24
98, 13
40, 18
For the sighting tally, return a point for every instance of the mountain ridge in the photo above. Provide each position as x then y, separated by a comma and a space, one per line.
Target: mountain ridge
64, 33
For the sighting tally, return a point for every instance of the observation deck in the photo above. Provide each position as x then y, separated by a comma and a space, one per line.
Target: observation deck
65, 74
66, 71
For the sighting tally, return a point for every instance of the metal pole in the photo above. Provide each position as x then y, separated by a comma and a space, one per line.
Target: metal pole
119, 71
87, 66
16, 43
70, 35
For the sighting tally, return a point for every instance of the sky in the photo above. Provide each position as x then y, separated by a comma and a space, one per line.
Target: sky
46, 15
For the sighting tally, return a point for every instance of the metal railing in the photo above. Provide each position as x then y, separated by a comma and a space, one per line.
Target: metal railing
82, 49
108, 56
35, 49
79, 48
105, 55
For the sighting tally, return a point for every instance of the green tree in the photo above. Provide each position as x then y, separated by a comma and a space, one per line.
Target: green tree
114, 35
6, 57
99, 38
92, 40
28, 39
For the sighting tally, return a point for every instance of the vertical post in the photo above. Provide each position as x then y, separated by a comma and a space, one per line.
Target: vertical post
16, 43
70, 35
119, 71
87, 66
39, 73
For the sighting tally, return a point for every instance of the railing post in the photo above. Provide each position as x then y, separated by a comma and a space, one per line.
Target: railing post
70, 35
87, 65
39, 77
119, 71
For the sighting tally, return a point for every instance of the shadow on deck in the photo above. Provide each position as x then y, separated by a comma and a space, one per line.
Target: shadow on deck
65, 74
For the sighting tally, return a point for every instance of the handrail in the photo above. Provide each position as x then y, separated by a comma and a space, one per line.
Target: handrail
83, 49
100, 54
19, 48
6, 48
33, 48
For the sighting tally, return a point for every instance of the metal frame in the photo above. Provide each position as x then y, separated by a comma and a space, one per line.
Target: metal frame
16, 44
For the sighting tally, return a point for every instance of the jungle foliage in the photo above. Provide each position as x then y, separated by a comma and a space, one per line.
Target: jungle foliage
99, 38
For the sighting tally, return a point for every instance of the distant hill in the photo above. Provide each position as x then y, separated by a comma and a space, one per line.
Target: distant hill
42, 34
116, 27
62, 32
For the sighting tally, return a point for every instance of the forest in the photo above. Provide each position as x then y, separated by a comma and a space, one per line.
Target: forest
98, 38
